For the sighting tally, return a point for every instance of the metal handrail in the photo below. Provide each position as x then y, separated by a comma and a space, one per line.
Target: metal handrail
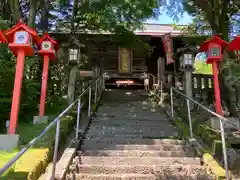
56, 122
221, 118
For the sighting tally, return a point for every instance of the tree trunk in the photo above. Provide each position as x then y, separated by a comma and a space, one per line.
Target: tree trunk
16, 10
44, 18
32, 12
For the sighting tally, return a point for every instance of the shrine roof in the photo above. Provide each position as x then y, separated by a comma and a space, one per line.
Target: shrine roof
147, 29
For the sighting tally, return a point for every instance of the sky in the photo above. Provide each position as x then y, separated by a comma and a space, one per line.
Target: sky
165, 19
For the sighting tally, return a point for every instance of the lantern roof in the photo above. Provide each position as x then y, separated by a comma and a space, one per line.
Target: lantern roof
47, 37
216, 40
2, 38
21, 26
234, 44
185, 49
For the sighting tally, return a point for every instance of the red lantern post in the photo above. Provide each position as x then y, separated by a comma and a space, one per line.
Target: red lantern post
20, 39
2, 38
48, 49
214, 47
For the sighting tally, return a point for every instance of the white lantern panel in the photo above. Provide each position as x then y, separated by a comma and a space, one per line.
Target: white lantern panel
73, 54
215, 51
188, 59
21, 37
46, 45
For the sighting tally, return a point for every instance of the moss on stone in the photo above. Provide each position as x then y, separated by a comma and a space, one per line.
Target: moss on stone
218, 170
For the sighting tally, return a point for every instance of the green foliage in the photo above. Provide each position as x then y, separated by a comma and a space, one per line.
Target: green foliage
7, 70
202, 68
109, 14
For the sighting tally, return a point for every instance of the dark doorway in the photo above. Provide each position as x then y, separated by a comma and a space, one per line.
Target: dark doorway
158, 51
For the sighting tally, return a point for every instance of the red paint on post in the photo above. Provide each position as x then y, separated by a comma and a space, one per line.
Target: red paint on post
44, 85
20, 42
17, 91
216, 88
48, 48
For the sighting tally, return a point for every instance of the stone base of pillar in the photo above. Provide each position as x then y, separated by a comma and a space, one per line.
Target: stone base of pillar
40, 119
8, 142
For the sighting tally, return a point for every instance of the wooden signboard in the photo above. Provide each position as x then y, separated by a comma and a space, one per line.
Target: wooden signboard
124, 60
86, 73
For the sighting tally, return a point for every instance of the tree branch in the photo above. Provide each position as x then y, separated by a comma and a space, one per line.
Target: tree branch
74, 13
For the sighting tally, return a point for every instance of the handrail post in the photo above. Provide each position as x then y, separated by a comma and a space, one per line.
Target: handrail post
89, 101
189, 119
96, 92
161, 91
78, 117
101, 82
148, 76
154, 82
224, 149
55, 149
171, 96
102, 85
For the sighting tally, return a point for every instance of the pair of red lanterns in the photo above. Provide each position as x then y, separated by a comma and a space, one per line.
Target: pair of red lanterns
20, 39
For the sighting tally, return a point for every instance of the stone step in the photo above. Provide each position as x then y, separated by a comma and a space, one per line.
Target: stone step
85, 176
130, 130
96, 146
158, 176
135, 147
118, 136
127, 120
140, 119
129, 126
102, 160
136, 153
149, 118
136, 141
159, 134
140, 169
111, 113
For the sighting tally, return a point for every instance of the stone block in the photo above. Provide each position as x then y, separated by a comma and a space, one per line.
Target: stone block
215, 123
8, 142
229, 125
217, 149
40, 119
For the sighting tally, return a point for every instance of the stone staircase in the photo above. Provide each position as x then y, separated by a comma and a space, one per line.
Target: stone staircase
128, 140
